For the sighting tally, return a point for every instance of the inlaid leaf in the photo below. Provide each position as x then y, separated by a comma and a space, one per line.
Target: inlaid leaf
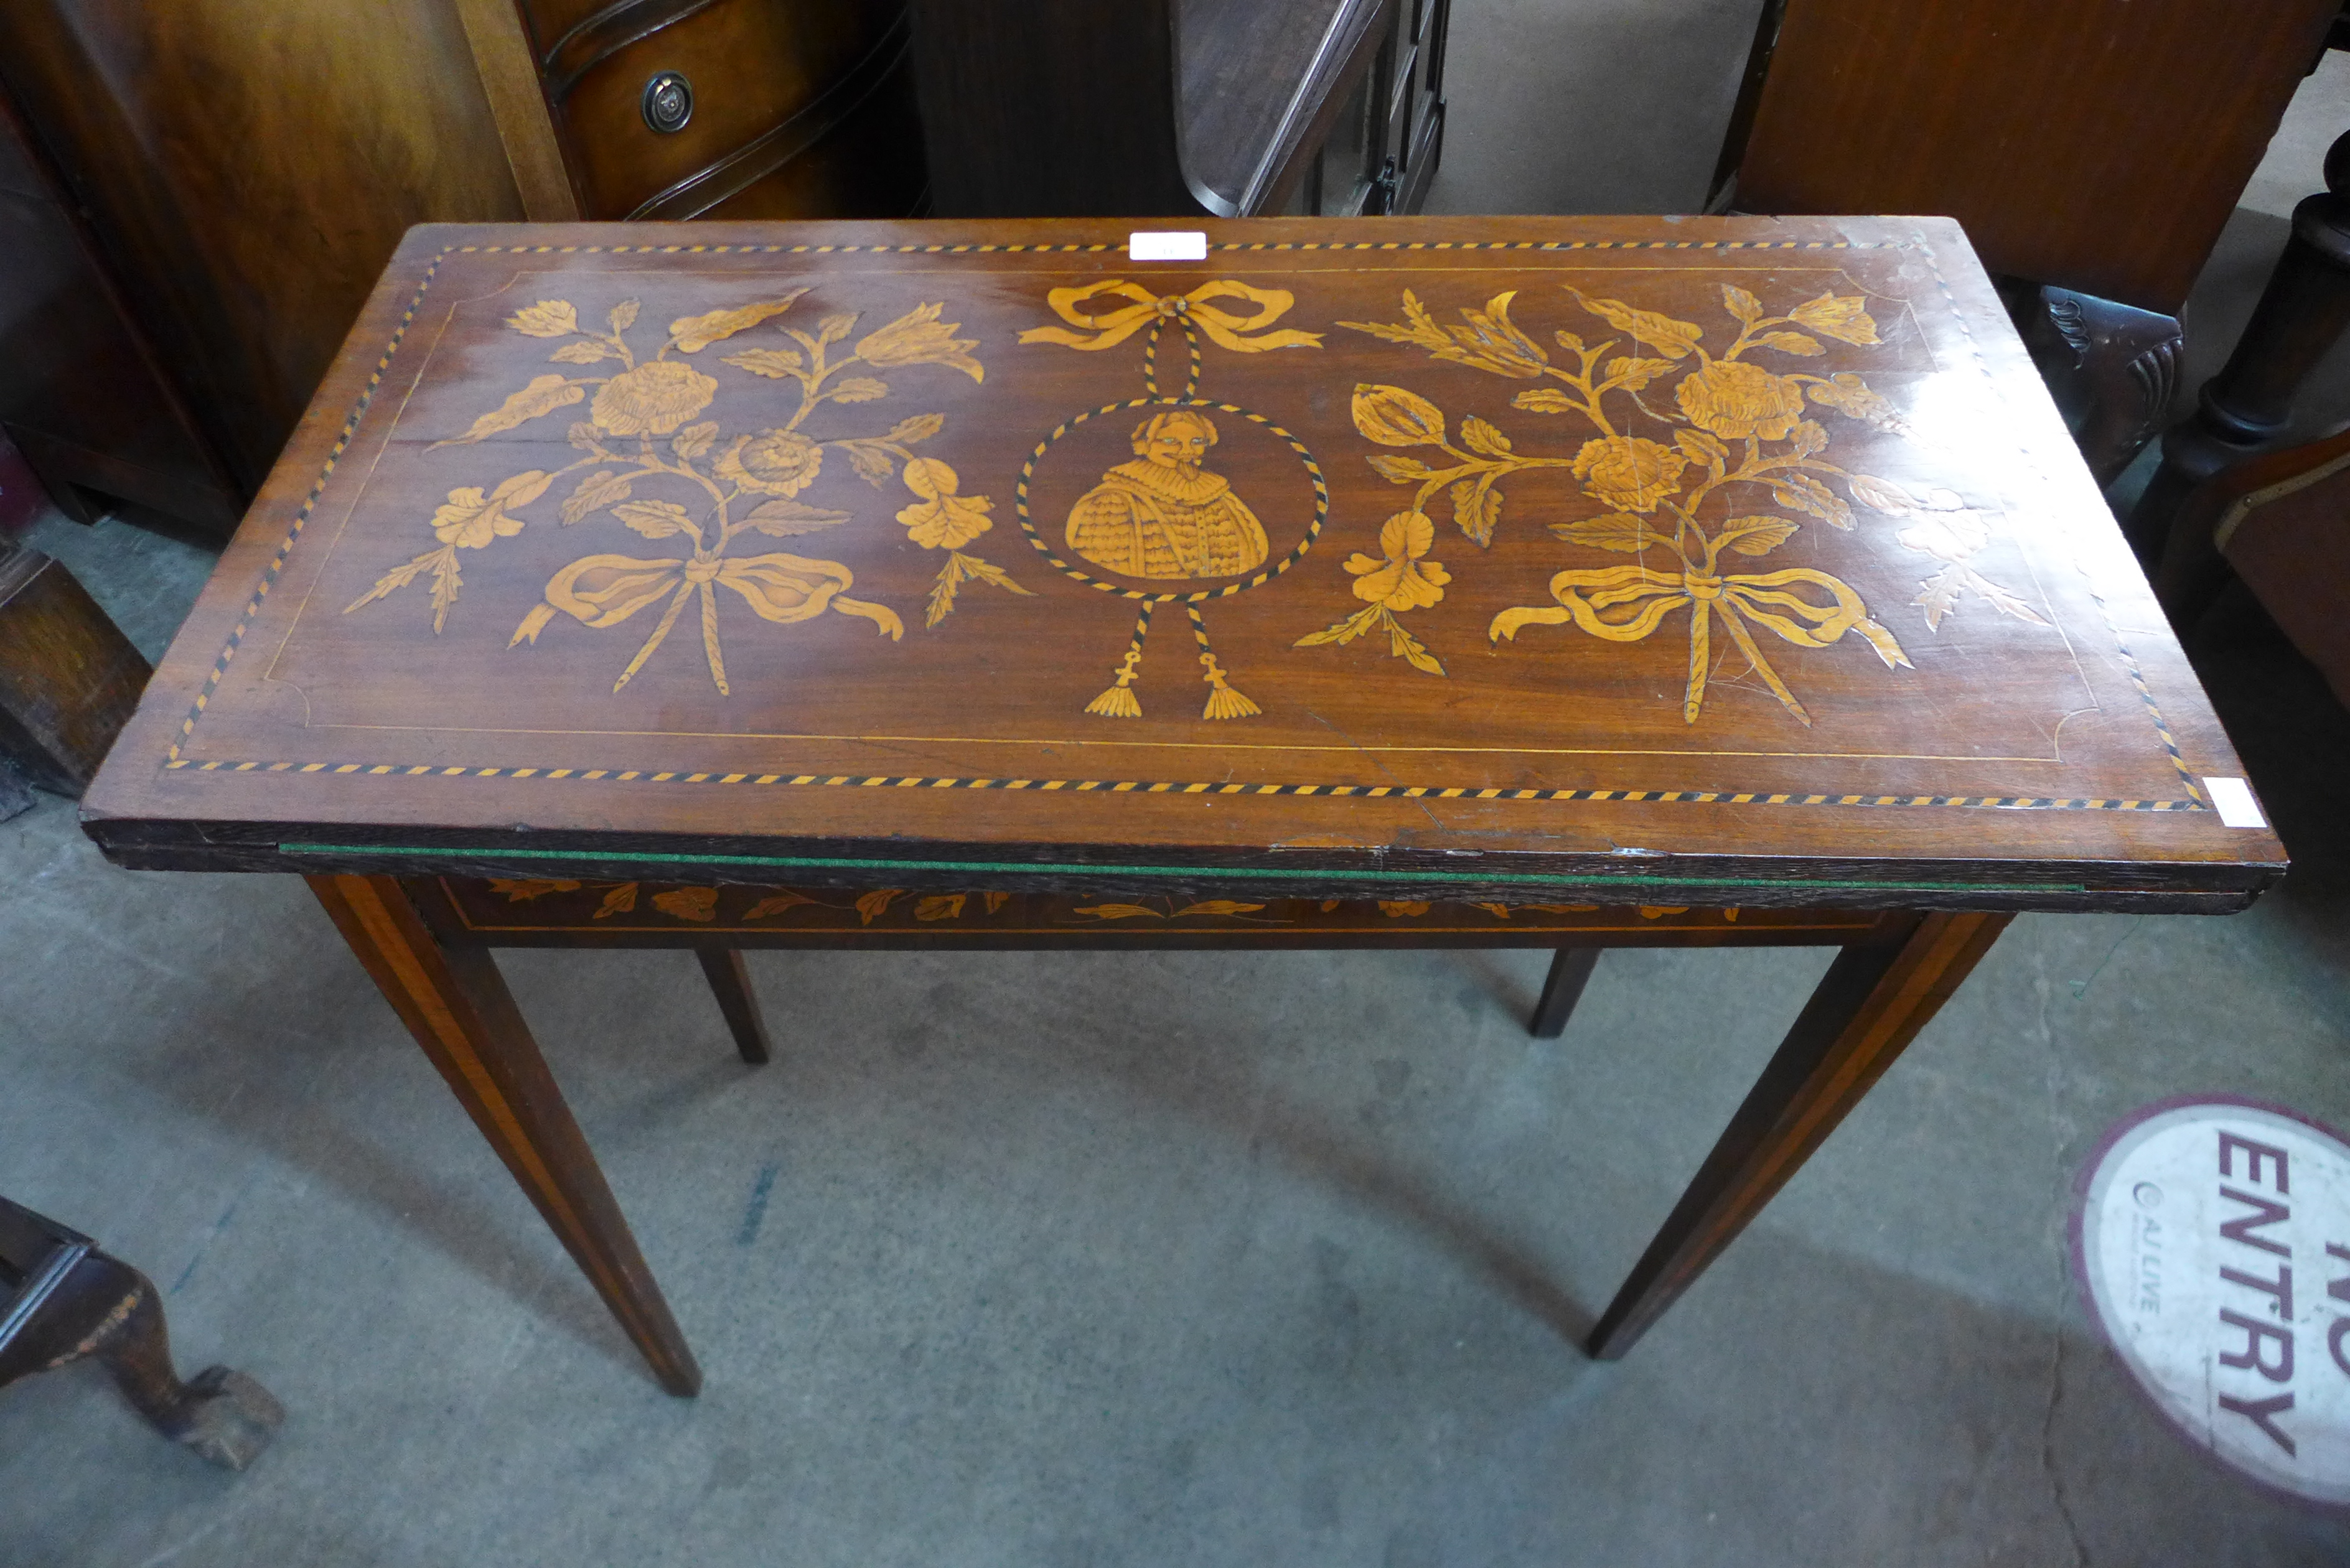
1417, 328
1399, 470
1411, 650
1476, 508
1740, 304
1674, 339
600, 489
1392, 416
584, 351
1881, 494
623, 317
655, 519
776, 903
1790, 343
1843, 317
1701, 446
782, 518
1403, 909
620, 900
1117, 912
1618, 531
547, 318
584, 436
1499, 911
522, 890
1657, 911
859, 389
916, 428
2002, 600
833, 328
1808, 438
543, 395
1634, 374
1482, 437
776, 363
1755, 535
1545, 400
1217, 907
1804, 494
940, 907
1938, 594
995, 901
1849, 395
694, 440
1342, 632
875, 462
692, 334
688, 903
872, 906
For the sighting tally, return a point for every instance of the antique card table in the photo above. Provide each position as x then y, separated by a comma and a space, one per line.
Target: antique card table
1566, 583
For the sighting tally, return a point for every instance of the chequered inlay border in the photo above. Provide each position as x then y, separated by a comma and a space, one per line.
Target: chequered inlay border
175, 760
1169, 786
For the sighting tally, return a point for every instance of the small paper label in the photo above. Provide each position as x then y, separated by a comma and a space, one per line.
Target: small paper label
1167, 246
2234, 799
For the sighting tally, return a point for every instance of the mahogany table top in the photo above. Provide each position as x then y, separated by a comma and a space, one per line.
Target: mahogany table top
1701, 562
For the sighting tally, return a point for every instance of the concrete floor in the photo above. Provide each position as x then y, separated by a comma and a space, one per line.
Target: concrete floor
1052, 1261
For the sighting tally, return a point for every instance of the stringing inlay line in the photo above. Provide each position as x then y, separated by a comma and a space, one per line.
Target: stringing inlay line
2129, 660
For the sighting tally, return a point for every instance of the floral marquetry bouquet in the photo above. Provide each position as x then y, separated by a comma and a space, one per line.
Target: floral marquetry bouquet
1743, 437
682, 483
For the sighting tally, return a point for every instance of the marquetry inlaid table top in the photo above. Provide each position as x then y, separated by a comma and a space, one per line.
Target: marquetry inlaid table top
1705, 562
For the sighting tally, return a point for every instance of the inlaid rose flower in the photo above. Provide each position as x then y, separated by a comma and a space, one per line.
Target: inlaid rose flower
1735, 401
654, 399
776, 463
1632, 472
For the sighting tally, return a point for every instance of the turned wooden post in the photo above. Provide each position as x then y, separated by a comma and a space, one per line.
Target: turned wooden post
2249, 404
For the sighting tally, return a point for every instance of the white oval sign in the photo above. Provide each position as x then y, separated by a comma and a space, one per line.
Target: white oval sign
2213, 1240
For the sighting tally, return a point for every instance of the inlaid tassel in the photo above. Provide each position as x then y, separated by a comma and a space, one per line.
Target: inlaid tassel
1224, 703
1117, 701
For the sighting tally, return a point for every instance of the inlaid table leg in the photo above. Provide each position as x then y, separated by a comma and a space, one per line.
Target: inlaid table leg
1868, 1007
1570, 972
456, 1005
730, 981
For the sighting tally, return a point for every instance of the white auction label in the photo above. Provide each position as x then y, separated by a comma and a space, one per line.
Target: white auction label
2213, 1240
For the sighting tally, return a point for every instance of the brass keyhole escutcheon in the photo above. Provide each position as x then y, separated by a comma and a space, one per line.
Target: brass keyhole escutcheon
668, 102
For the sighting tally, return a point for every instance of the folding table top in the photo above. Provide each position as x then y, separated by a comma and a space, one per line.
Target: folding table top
1709, 561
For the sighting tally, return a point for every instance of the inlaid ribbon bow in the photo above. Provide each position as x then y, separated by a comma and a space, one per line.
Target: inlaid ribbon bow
1732, 599
605, 590
1243, 333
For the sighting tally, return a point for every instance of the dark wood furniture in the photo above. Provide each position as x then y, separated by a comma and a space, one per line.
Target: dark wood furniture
62, 1300
2274, 521
69, 678
2249, 405
2096, 147
693, 108
1224, 108
83, 395
207, 192
1565, 583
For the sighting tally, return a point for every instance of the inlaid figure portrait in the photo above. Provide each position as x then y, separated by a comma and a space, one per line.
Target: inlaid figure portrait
1164, 515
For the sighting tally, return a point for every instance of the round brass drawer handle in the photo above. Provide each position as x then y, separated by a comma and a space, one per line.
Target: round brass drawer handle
668, 102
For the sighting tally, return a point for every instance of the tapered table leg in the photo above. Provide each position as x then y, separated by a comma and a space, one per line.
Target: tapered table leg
456, 1005
729, 982
1570, 972
1868, 1007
